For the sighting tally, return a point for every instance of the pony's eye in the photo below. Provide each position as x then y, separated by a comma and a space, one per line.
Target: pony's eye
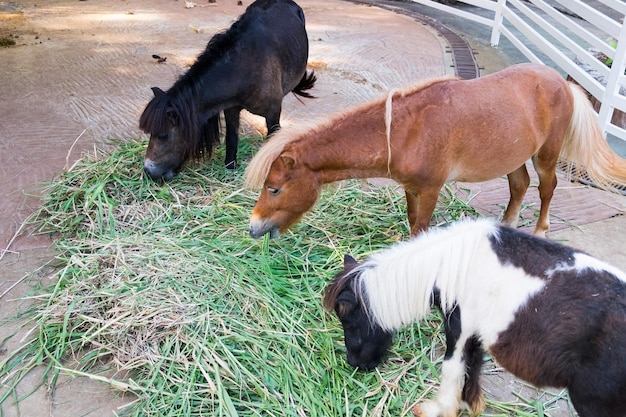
273, 190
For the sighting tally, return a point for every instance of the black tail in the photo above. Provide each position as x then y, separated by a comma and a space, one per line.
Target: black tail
306, 83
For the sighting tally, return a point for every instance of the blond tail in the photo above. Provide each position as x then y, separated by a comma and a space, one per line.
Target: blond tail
586, 150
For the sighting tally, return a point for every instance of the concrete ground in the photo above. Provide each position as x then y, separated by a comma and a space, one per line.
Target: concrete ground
81, 73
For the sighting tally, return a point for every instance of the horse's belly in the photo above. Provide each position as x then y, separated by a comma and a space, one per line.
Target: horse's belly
485, 170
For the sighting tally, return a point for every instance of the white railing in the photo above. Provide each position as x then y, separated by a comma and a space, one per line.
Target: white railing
564, 32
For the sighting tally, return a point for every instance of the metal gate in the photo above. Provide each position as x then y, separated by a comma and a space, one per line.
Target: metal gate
585, 39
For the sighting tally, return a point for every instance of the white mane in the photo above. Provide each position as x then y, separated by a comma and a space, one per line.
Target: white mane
398, 282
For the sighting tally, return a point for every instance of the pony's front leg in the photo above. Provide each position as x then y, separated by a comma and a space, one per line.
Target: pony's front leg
420, 207
448, 399
272, 116
232, 136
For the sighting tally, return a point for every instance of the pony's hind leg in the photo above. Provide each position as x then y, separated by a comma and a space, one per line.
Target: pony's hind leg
272, 119
546, 170
597, 389
232, 136
519, 180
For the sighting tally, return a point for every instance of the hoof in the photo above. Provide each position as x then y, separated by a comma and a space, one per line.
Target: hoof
479, 406
417, 411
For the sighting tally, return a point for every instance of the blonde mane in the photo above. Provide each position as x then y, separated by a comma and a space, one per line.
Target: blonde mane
388, 119
259, 166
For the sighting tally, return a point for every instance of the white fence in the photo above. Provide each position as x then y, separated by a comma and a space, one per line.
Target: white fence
564, 32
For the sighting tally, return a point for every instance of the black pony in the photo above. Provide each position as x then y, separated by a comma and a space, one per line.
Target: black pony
251, 66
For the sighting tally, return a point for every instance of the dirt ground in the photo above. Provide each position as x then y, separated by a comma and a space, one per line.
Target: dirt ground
80, 74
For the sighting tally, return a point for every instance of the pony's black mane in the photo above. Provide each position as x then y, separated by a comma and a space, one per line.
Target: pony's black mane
218, 45
341, 282
345, 280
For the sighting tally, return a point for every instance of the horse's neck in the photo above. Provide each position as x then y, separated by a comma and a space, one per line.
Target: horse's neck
353, 147
205, 92
404, 277
400, 288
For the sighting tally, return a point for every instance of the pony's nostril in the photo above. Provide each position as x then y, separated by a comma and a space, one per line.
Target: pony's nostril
157, 172
255, 231
149, 172
148, 166
253, 234
152, 171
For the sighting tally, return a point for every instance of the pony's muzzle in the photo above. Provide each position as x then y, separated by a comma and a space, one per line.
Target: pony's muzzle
259, 227
156, 172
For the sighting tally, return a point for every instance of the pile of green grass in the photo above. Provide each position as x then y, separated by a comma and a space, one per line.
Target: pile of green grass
163, 281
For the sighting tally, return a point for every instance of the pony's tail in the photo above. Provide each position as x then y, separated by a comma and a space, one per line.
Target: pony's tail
209, 136
586, 151
306, 83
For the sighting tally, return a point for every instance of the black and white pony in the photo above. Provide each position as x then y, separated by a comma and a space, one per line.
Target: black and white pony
252, 65
549, 314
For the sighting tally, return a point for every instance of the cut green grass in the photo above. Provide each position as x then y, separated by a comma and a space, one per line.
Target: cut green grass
163, 281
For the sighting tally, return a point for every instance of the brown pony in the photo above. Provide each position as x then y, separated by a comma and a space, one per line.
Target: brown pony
438, 131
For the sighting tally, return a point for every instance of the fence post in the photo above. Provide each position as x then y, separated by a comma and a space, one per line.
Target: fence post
497, 23
612, 83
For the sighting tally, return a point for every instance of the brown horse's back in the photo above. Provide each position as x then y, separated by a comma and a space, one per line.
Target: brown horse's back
514, 112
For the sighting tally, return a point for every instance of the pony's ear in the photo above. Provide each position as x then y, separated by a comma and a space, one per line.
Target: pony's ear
157, 91
172, 116
288, 160
349, 262
345, 303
